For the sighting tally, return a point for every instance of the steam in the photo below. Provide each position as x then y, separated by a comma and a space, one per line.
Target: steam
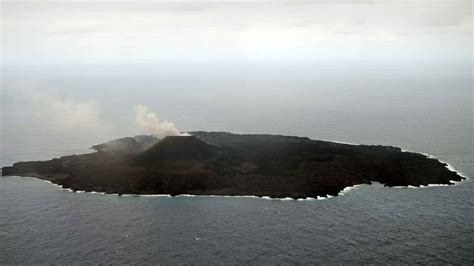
150, 122
66, 116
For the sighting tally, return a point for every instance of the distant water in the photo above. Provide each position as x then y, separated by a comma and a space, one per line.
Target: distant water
417, 109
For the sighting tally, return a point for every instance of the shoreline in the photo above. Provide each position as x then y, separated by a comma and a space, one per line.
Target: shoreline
343, 192
448, 166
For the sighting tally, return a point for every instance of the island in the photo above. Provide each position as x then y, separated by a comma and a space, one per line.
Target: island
221, 163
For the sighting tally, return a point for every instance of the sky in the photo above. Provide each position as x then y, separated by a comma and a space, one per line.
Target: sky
357, 71
109, 32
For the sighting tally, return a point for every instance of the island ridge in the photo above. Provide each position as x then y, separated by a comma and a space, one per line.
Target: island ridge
220, 163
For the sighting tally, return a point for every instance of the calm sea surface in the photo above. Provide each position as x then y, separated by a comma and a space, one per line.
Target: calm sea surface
40, 223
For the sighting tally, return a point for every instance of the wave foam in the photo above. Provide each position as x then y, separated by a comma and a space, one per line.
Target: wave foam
348, 189
447, 166
185, 195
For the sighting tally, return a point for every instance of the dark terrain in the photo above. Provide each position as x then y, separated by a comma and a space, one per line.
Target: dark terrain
220, 163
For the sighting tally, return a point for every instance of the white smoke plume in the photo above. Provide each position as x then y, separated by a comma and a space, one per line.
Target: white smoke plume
67, 116
150, 122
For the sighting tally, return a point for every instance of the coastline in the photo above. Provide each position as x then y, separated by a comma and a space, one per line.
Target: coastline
342, 192
448, 166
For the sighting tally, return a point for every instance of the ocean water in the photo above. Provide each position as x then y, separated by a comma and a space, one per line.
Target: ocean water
371, 224
40, 223
429, 113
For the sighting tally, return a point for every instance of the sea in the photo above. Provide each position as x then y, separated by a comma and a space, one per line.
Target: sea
40, 223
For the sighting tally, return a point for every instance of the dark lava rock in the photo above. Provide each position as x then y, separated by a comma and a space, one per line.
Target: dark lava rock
221, 163
178, 148
128, 145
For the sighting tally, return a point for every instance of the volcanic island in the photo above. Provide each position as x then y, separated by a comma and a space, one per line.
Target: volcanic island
221, 163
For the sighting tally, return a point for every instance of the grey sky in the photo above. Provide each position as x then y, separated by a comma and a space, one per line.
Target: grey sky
359, 71
44, 32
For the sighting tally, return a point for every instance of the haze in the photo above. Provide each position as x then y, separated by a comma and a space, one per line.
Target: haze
73, 71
